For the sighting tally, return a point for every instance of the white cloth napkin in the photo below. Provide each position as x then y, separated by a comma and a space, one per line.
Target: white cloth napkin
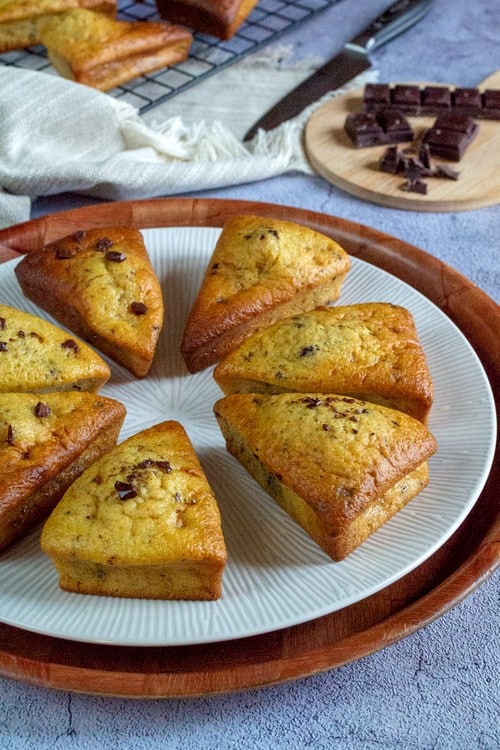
58, 136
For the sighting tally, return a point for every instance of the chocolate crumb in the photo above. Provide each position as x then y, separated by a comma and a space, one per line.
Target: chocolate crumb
146, 463
125, 491
42, 410
63, 253
115, 257
103, 243
306, 351
10, 435
138, 308
3, 324
311, 402
69, 344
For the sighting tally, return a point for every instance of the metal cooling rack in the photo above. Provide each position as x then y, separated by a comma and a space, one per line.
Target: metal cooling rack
267, 22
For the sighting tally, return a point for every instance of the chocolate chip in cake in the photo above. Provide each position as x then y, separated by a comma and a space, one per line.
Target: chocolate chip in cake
3, 324
69, 344
115, 256
3, 346
125, 490
103, 243
64, 252
138, 308
42, 410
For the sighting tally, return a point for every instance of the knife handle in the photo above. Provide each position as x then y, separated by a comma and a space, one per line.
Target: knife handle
393, 21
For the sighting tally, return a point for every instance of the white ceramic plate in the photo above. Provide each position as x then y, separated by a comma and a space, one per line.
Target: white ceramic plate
276, 576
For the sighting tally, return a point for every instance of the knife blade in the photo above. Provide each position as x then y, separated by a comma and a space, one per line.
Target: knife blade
352, 60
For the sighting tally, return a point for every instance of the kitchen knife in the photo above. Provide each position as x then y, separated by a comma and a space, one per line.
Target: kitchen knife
350, 62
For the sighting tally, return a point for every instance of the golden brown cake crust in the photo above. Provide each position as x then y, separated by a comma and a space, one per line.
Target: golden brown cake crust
19, 18
141, 522
368, 350
101, 285
38, 357
103, 52
262, 270
220, 18
45, 443
340, 466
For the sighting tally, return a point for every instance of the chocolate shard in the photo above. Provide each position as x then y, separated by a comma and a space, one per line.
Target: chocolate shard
414, 186
391, 160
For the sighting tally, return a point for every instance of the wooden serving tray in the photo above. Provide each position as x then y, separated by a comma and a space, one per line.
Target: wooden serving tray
452, 573
355, 170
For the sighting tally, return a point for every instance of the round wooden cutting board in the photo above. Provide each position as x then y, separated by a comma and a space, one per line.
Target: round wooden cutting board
461, 564
355, 170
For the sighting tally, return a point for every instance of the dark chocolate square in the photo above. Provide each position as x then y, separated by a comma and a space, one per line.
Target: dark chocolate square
406, 98
395, 126
376, 96
456, 121
363, 129
467, 101
451, 135
491, 104
435, 99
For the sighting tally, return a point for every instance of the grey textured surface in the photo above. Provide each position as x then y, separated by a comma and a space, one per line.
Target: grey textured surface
435, 690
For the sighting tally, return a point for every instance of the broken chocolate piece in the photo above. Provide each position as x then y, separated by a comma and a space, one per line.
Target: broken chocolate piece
375, 129
424, 156
414, 186
451, 135
443, 170
390, 160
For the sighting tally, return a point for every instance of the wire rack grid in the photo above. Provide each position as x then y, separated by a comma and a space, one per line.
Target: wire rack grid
267, 22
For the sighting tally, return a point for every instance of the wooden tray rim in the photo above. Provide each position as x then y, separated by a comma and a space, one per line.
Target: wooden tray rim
65, 665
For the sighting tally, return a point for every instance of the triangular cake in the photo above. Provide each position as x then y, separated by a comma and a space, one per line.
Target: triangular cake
104, 52
339, 466
45, 443
262, 270
369, 350
100, 284
142, 522
38, 357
